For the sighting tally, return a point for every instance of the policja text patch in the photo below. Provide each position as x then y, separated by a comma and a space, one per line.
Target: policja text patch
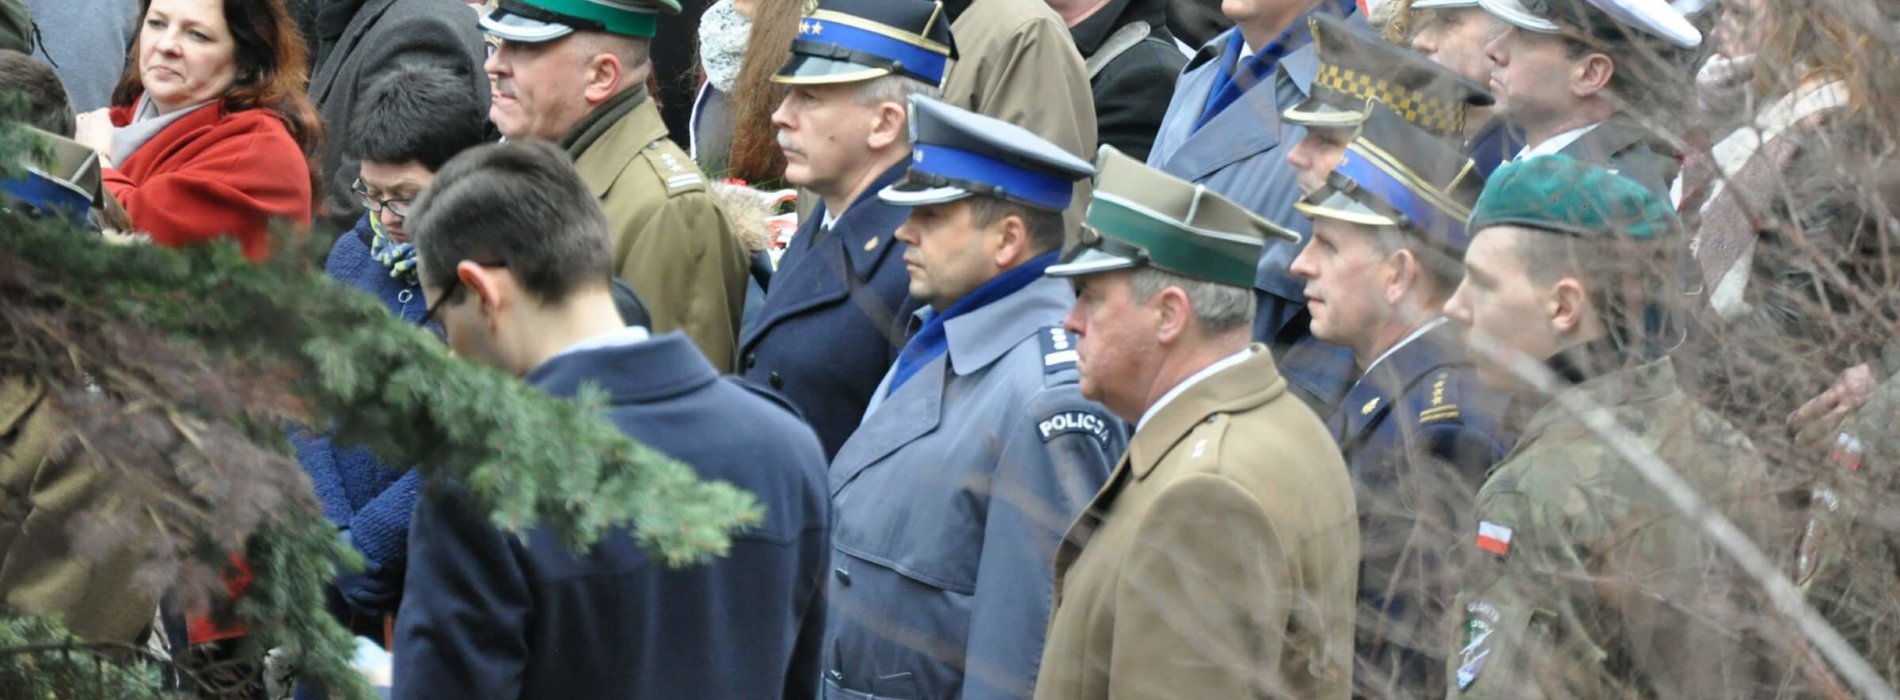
1074, 422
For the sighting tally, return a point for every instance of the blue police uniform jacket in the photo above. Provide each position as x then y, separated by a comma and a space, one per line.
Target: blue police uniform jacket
1241, 154
950, 501
831, 322
1418, 432
492, 615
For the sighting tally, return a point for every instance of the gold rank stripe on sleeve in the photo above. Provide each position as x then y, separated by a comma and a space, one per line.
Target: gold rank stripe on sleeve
1438, 413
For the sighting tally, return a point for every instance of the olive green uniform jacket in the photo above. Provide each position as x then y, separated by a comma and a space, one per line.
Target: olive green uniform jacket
671, 241
1582, 580
1220, 561
41, 499
1017, 62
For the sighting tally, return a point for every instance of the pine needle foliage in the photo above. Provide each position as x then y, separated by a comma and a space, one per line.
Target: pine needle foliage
178, 371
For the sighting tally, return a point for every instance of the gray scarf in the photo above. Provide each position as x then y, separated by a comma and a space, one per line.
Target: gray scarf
722, 37
146, 123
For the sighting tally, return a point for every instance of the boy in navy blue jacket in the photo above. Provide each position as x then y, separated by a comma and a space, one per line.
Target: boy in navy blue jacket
513, 253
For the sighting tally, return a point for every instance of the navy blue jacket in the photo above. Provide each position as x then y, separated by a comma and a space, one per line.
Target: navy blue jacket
492, 615
830, 326
1418, 432
1494, 144
358, 492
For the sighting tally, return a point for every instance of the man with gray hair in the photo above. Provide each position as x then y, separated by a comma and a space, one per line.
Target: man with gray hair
828, 330
574, 72
1221, 558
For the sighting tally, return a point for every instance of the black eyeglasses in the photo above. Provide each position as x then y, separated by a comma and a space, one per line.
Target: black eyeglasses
398, 206
448, 292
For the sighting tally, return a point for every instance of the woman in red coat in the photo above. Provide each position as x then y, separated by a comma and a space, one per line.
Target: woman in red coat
211, 131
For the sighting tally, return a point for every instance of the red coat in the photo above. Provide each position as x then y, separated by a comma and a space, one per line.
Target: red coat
214, 173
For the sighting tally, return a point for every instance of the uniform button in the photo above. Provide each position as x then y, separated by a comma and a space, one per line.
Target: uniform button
778, 382
751, 360
844, 577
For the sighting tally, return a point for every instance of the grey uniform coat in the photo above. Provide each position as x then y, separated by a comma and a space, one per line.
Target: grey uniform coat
950, 500
1241, 154
385, 35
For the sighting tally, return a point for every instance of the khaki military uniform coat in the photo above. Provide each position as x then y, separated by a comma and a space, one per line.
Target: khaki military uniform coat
1221, 560
1017, 62
671, 241
1583, 581
40, 501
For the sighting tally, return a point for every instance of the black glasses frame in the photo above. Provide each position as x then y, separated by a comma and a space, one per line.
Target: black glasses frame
449, 291
398, 205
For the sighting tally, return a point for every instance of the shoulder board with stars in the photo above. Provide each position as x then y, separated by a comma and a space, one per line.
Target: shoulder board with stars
1438, 410
1058, 350
680, 176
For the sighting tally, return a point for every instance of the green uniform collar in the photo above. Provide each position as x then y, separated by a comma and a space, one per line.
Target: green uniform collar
602, 119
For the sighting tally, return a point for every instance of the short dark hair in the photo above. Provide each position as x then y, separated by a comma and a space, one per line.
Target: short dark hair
47, 107
1628, 280
426, 113
1045, 227
519, 203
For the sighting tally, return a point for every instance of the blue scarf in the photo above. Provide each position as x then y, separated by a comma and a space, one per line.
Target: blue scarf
1231, 79
932, 340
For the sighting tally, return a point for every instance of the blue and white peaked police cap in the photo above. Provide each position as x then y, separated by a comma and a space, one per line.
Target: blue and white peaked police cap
1395, 174
1605, 19
848, 41
956, 153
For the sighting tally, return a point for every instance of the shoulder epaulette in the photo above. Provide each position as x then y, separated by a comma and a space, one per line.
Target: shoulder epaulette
1058, 350
674, 169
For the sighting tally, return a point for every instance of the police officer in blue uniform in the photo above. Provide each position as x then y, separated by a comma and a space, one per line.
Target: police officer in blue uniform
1417, 429
832, 321
978, 449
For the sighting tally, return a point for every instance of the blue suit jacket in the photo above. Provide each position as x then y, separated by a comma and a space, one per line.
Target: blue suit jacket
1241, 154
830, 324
492, 615
1418, 432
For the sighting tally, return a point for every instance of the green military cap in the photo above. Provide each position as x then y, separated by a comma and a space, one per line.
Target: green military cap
1561, 194
1358, 70
538, 21
1142, 216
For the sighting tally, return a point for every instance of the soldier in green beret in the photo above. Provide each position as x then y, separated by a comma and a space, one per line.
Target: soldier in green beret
574, 72
1582, 580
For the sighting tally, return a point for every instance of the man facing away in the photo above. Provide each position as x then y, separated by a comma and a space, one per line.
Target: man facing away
574, 72
831, 324
512, 250
1575, 74
1417, 429
1582, 579
1220, 559
978, 448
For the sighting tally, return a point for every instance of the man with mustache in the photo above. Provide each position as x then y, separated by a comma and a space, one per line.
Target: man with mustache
978, 448
574, 72
829, 325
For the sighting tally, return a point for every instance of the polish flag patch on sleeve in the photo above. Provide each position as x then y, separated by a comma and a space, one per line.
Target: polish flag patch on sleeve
1494, 538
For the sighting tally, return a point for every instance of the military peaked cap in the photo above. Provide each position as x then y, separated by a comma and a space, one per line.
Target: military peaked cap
1357, 69
956, 153
537, 21
1140, 216
1602, 18
847, 41
1394, 174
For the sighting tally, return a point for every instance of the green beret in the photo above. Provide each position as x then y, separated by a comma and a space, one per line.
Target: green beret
1561, 194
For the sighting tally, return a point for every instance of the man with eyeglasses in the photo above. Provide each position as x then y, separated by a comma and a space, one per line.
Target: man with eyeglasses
512, 253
